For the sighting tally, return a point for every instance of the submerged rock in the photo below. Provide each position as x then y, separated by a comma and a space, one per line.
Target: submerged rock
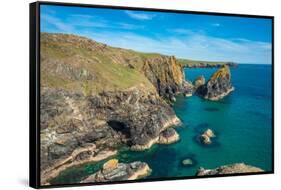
236, 168
206, 136
187, 162
114, 171
218, 86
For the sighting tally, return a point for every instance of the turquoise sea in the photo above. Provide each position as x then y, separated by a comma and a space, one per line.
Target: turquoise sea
242, 123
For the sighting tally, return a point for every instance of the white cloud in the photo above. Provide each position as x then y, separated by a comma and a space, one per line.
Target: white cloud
139, 16
192, 46
182, 43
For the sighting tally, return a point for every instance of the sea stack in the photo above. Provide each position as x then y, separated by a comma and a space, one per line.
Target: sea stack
112, 170
237, 168
218, 86
206, 137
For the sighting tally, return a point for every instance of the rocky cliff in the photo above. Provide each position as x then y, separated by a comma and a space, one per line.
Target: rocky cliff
95, 99
238, 168
165, 73
218, 86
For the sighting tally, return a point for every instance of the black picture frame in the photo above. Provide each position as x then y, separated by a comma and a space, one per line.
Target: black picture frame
34, 91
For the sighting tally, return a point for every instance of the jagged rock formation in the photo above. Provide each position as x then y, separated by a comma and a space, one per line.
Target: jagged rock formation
206, 137
237, 168
119, 172
199, 81
77, 129
218, 86
95, 98
166, 75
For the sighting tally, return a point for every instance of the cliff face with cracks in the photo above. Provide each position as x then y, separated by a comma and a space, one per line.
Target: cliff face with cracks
166, 75
95, 98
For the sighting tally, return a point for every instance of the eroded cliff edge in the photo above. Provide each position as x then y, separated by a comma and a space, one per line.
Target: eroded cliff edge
95, 98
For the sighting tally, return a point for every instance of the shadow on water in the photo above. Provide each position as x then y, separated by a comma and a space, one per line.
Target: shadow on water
167, 163
215, 143
200, 128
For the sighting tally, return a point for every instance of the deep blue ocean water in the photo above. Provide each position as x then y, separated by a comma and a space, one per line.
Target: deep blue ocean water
242, 123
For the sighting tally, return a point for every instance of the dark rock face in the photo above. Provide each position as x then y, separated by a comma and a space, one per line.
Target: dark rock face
80, 129
120, 172
229, 169
218, 86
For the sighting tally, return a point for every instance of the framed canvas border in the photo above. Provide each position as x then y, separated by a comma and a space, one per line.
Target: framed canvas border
34, 91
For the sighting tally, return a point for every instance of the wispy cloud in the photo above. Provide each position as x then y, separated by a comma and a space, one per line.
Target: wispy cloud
181, 42
139, 16
59, 24
76, 21
216, 24
192, 46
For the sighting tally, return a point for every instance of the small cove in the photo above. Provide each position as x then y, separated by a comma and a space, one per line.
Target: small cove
241, 121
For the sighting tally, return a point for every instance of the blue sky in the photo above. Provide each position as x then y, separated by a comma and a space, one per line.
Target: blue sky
200, 37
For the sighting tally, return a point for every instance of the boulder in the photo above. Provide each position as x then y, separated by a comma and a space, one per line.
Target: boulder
120, 172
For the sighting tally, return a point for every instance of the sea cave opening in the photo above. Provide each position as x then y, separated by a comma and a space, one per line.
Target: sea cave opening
119, 126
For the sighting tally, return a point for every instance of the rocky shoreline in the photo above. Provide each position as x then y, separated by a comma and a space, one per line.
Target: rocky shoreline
81, 123
237, 168
86, 117
206, 65
162, 138
115, 171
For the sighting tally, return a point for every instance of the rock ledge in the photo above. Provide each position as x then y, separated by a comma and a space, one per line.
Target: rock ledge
236, 168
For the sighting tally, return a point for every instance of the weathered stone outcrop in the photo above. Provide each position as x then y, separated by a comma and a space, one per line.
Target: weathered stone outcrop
166, 74
206, 137
237, 168
168, 136
114, 171
199, 81
218, 86
96, 98
76, 129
